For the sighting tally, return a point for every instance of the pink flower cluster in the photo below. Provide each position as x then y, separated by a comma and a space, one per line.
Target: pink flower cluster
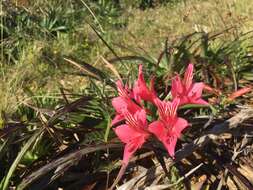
136, 129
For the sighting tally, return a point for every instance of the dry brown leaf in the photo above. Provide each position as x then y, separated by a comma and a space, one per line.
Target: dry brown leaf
247, 172
112, 68
231, 185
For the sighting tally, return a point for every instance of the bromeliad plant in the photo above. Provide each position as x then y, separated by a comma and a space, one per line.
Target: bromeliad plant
130, 109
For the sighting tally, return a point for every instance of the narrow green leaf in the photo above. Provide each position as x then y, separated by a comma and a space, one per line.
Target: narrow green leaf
188, 106
5, 182
107, 131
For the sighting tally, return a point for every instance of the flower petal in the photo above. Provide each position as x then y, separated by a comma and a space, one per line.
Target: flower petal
176, 86
119, 104
196, 90
118, 118
179, 126
122, 103
172, 107
132, 138
158, 129
195, 94
126, 133
162, 107
170, 145
188, 76
141, 117
120, 88
131, 148
168, 139
141, 91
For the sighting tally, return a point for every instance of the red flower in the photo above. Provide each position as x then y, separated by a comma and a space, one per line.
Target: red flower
123, 102
169, 127
187, 91
141, 91
134, 133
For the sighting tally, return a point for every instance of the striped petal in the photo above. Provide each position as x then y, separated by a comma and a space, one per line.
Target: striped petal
188, 76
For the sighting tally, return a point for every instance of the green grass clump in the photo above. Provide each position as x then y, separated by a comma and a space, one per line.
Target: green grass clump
41, 32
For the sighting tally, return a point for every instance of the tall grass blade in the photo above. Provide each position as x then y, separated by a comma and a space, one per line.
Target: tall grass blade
94, 72
106, 44
94, 16
108, 127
